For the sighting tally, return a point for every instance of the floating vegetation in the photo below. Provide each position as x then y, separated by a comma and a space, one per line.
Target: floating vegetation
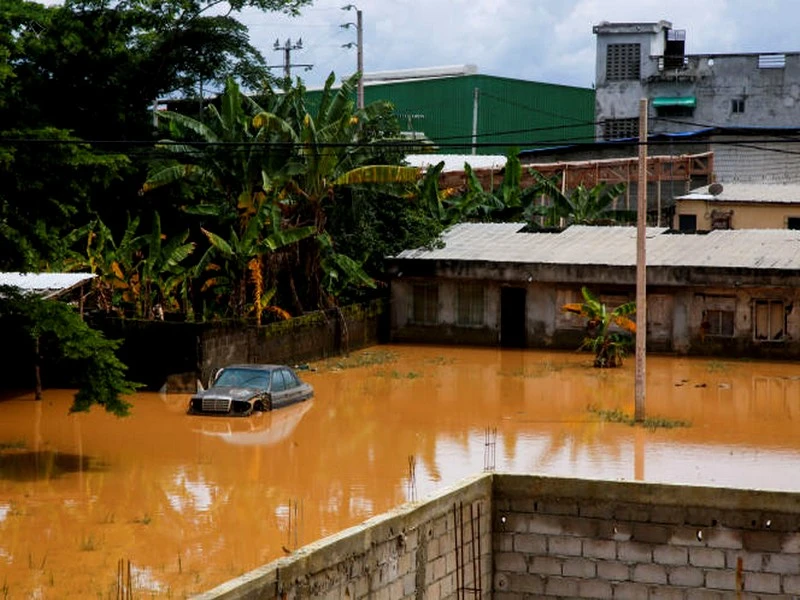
15, 445
399, 375
717, 366
542, 369
440, 360
144, 520
618, 416
88, 544
354, 361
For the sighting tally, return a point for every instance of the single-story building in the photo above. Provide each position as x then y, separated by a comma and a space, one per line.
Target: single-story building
739, 206
727, 292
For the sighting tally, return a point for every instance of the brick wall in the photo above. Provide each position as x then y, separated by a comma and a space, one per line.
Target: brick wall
589, 539
437, 549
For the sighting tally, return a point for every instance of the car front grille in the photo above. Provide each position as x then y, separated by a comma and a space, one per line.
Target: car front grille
221, 405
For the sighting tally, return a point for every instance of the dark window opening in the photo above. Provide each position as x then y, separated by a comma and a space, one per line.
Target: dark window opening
769, 321
721, 219
687, 222
615, 129
793, 223
737, 106
470, 305
675, 49
674, 111
623, 62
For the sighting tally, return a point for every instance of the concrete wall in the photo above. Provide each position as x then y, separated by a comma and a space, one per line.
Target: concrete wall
750, 215
557, 538
518, 536
441, 548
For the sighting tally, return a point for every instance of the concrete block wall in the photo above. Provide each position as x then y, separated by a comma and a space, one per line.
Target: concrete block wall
435, 550
566, 538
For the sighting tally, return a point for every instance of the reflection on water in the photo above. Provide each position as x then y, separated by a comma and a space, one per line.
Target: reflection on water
193, 501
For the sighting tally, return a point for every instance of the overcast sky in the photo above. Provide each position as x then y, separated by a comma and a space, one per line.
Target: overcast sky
541, 40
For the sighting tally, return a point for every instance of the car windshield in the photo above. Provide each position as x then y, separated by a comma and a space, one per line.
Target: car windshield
250, 378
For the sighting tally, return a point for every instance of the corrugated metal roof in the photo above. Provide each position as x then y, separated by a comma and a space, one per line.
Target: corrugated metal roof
455, 162
616, 246
47, 285
788, 193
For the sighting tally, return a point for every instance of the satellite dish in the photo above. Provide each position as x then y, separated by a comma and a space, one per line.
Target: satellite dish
715, 189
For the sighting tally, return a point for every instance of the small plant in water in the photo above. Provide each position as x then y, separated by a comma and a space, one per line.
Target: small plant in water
144, 520
717, 366
88, 544
618, 416
15, 445
362, 359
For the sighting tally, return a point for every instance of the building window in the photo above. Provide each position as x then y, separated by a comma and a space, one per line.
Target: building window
615, 129
769, 321
687, 222
469, 311
718, 323
425, 304
737, 106
772, 61
721, 219
793, 223
623, 62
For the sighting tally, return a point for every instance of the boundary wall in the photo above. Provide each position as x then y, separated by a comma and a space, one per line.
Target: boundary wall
512, 537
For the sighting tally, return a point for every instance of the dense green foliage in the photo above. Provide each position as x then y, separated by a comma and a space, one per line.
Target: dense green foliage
99, 374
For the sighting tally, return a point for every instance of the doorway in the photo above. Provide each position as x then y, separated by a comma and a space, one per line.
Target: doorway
512, 317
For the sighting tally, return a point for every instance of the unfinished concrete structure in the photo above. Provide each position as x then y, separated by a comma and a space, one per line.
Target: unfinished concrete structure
517, 536
728, 292
687, 92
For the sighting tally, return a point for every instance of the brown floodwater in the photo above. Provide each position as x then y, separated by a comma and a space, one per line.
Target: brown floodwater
190, 502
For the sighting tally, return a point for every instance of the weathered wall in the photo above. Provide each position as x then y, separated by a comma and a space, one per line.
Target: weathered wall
438, 549
598, 539
750, 215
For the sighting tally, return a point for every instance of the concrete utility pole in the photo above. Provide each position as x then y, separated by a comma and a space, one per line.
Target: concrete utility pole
287, 49
359, 25
475, 97
641, 266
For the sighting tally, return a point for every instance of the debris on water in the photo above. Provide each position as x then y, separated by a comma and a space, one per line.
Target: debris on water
700, 385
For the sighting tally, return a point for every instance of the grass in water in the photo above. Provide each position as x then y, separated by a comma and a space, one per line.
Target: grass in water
362, 359
543, 369
399, 375
717, 366
16, 445
618, 416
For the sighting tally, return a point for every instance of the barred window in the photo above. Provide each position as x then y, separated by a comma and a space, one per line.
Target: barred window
614, 129
623, 62
769, 321
719, 323
425, 304
470, 302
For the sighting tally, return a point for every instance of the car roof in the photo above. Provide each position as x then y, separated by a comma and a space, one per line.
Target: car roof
256, 367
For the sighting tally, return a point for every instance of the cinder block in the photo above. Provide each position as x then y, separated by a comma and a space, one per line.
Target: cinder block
791, 585
668, 515
723, 538
630, 591
671, 555
650, 534
447, 585
762, 541
510, 561
721, 580
666, 593
595, 589
439, 569
707, 557
516, 583
687, 536
395, 591
530, 543
598, 510
782, 522
765, 583
635, 552
409, 584
564, 546
503, 542
557, 506
649, 574
605, 549
514, 522
791, 544
612, 570
750, 561
579, 567
545, 565
632, 512
544, 524
559, 586
686, 576
704, 595
702, 517
580, 527
785, 564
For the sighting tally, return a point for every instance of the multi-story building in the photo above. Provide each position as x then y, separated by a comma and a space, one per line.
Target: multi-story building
687, 92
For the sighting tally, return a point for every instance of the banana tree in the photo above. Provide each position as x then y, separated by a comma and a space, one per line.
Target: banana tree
609, 347
581, 206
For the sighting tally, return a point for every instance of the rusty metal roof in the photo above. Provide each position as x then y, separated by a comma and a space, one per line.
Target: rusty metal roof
616, 246
47, 285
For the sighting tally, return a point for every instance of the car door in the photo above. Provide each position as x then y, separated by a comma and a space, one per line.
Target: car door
278, 392
293, 387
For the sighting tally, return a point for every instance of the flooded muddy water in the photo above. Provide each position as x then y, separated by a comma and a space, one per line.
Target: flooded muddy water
189, 502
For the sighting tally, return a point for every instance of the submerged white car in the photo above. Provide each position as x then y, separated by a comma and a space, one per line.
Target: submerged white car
238, 390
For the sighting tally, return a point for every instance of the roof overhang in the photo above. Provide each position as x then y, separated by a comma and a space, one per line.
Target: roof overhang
46, 285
